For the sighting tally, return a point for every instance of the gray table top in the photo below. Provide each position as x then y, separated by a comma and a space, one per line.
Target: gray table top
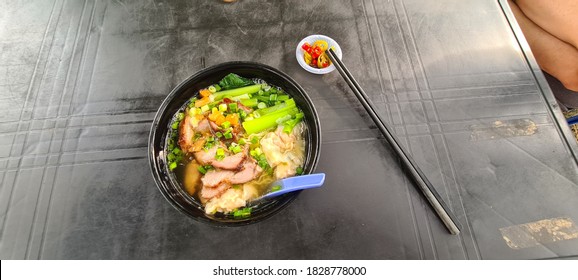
80, 82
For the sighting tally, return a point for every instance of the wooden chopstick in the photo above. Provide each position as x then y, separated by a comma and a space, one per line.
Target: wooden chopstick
419, 177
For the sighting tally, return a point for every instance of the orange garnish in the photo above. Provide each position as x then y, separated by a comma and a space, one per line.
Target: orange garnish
213, 116
233, 119
202, 102
205, 92
220, 120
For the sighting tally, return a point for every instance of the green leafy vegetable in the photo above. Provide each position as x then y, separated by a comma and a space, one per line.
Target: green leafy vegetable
235, 92
250, 102
268, 121
290, 124
234, 81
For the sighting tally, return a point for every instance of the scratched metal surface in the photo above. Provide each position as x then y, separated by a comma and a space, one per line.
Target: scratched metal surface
80, 82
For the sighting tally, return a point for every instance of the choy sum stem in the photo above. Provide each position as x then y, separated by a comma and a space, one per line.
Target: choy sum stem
236, 92
270, 120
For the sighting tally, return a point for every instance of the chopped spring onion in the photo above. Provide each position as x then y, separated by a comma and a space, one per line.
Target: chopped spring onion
254, 140
171, 157
273, 97
261, 105
205, 108
172, 165
202, 169
228, 135
175, 125
226, 124
220, 154
214, 110
209, 144
219, 134
236, 149
233, 107
242, 141
217, 87
223, 107
262, 162
212, 89
299, 170
242, 213
275, 188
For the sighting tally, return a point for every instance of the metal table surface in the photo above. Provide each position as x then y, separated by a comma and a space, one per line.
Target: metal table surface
80, 82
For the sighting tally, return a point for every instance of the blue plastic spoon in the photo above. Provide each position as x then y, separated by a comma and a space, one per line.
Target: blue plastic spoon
292, 184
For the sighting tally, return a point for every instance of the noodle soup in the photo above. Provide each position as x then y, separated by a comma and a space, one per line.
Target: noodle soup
230, 142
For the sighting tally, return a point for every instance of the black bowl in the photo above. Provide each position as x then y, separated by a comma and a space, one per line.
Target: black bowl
166, 180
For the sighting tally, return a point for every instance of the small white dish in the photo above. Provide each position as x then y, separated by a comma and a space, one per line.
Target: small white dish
299, 52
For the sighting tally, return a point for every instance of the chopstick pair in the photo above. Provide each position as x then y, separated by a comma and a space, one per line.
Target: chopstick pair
419, 177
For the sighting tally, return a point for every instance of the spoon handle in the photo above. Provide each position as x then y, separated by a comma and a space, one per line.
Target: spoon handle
296, 183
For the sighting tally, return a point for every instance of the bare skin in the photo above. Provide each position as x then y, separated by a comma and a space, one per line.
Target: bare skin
550, 29
557, 17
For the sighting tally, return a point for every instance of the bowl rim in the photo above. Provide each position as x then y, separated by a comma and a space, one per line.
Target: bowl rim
154, 162
311, 39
